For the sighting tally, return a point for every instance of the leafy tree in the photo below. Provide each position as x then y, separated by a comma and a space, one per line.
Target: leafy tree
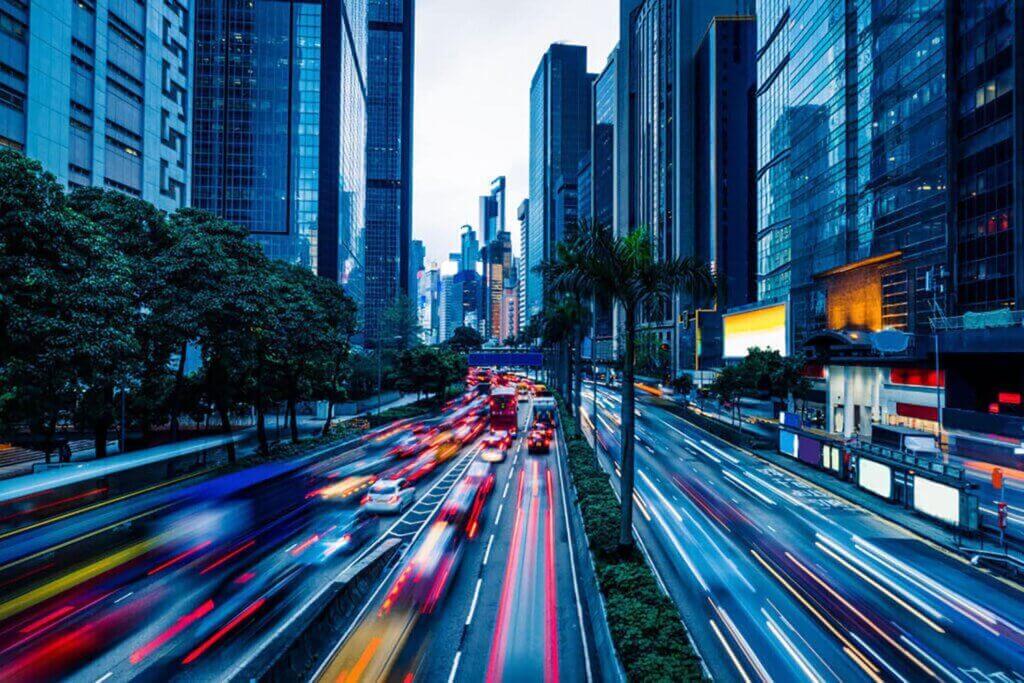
430, 369
400, 324
683, 384
340, 315
465, 339
728, 386
652, 355
138, 231
629, 270
63, 300
564, 321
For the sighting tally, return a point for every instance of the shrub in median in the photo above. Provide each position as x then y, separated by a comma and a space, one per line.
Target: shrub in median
649, 637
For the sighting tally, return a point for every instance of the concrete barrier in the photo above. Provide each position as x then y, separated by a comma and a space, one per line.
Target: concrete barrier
296, 653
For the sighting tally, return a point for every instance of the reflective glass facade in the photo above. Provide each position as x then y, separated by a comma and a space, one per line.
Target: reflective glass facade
389, 72
560, 95
603, 145
97, 91
280, 127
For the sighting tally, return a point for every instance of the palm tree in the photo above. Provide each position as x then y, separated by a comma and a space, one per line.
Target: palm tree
627, 269
564, 322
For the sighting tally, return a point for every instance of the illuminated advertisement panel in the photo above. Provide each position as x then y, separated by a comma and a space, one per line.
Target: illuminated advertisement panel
937, 500
787, 443
761, 327
875, 477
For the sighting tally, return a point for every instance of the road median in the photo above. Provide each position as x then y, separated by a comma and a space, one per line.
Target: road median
649, 637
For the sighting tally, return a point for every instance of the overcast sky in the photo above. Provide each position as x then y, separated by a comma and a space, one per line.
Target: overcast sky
474, 62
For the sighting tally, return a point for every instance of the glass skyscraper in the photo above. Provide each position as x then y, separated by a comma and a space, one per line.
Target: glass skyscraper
98, 91
389, 91
492, 211
280, 128
559, 136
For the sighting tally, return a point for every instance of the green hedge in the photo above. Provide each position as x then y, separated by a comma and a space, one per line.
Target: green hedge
649, 637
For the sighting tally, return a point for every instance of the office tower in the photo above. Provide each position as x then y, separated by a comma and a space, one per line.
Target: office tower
279, 136
470, 245
417, 256
566, 213
725, 207
523, 216
449, 300
97, 97
510, 306
602, 190
492, 211
559, 137
585, 190
654, 139
497, 262
886, 222
428, 304
389, 102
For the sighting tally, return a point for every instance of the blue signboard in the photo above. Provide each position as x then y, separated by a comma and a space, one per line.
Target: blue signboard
482, 359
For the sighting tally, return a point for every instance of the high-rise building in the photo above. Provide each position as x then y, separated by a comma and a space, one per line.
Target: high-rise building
417, 257
470, 248
449, 300
654, 141
497, 264
492, 211
428, 303
602, 191
559, 137
389, 101
98, 90
584, 190
279, 133
886, 210
523, 216
724, 202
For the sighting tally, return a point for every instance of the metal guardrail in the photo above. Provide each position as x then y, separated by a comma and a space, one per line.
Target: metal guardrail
1000, 318
911, 461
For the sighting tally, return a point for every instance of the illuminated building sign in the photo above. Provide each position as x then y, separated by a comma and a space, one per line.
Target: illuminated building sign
761, 327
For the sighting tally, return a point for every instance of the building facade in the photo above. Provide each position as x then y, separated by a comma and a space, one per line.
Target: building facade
428, 304
497, 267
417, 262
279, 128
389, 101
724, 203
559, 137
98, 91
523, 216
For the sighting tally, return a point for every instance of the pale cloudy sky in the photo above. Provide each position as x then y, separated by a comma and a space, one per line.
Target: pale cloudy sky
474, 62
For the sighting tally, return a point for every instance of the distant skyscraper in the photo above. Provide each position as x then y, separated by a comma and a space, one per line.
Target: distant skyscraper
280, 128
585, 190
470, 248
93, 92
602, 149
449, 300
389, 101
559, 137
492, 211
428, 304
497, 262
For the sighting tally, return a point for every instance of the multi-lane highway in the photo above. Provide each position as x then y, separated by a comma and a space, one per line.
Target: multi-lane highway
195, 579
780, 580
506, 609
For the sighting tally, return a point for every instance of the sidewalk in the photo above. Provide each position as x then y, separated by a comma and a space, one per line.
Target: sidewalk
982, 547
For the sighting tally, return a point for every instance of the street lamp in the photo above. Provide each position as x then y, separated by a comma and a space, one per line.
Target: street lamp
380, 369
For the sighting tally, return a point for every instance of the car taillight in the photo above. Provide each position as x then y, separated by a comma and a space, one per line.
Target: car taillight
393, 499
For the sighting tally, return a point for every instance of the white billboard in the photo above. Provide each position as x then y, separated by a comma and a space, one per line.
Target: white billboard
937, 500
875, 477
763, 327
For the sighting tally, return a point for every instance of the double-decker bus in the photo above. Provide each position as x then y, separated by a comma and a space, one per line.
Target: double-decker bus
504, 409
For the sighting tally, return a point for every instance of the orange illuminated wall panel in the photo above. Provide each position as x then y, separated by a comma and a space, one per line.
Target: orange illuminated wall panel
855, 300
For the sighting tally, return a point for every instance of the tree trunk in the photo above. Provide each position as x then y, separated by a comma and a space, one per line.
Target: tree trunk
578, 375
330, 416
225, 423
179, 379
293, 423
102, 424
627, 434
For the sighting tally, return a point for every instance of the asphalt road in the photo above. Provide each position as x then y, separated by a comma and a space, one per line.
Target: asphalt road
511, 610
777, 579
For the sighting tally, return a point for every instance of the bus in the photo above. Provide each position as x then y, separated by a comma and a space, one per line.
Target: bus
504, 408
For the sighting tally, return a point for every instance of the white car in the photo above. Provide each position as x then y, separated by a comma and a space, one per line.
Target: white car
388, 496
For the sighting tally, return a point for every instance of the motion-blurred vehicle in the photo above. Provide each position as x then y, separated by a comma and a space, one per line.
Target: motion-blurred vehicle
504, 410
544, 414
347, 490
538, 442
424, 581
468, 429
467, 499
388, 496
408, 446
495, 447
348, 537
